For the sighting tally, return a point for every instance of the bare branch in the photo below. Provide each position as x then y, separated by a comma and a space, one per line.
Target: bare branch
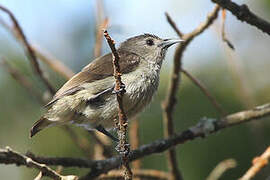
122, 118
200, 130
140, 174
221, 168
223, 34
170, 101
158, 146
243, 13
47, 171
205, 92
28, 49
258, 164
173, 25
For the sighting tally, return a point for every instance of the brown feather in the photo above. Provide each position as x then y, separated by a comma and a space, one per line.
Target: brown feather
100, 68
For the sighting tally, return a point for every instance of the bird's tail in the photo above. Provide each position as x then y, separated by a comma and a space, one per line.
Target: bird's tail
39, 125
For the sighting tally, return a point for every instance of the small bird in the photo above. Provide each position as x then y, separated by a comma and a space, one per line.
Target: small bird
88, 98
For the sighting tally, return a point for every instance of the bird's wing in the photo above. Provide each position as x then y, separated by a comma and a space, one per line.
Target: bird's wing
99, 69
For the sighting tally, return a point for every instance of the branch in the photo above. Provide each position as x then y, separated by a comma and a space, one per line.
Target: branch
243, 13
140, 174
98, 167
122, 118
28, 49
205, 92
258, 164
47, 171
200, 130
223, 34
221, 168
170, 101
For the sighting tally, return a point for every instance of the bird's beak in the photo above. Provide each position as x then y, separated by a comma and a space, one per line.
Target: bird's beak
168, 42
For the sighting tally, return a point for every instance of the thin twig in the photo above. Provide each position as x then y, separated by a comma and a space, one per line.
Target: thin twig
170, 101
173, 25
142, 174
122, 119
205, 92
258, 164
223, 34
221, 168
243, 13
46, 171
28, 49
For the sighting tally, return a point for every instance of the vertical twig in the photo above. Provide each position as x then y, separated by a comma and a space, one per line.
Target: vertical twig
223, 34
170, 101
28, 49
122, 119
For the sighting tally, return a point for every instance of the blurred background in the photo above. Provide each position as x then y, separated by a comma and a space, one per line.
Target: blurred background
66, 28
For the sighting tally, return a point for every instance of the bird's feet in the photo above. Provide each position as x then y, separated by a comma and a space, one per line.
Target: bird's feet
121, 90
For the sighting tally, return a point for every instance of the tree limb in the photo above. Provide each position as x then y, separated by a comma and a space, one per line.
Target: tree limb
202, 129
47, 171
243, 13
170, 101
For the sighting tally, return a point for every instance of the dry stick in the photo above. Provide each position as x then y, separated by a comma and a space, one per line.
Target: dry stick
122, 119
140, 174
258, 164
221, 168
170, 101
158, 146
223, 34
243, 13
46, 171
28, 49
205, 92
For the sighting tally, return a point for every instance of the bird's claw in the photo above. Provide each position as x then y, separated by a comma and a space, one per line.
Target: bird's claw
121, 90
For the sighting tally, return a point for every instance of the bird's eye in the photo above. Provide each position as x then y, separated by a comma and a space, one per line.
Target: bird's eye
150, 42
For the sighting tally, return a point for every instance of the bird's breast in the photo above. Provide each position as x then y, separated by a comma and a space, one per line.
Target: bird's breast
141, 85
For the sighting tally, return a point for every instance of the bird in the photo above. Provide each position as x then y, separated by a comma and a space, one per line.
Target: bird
88, 99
